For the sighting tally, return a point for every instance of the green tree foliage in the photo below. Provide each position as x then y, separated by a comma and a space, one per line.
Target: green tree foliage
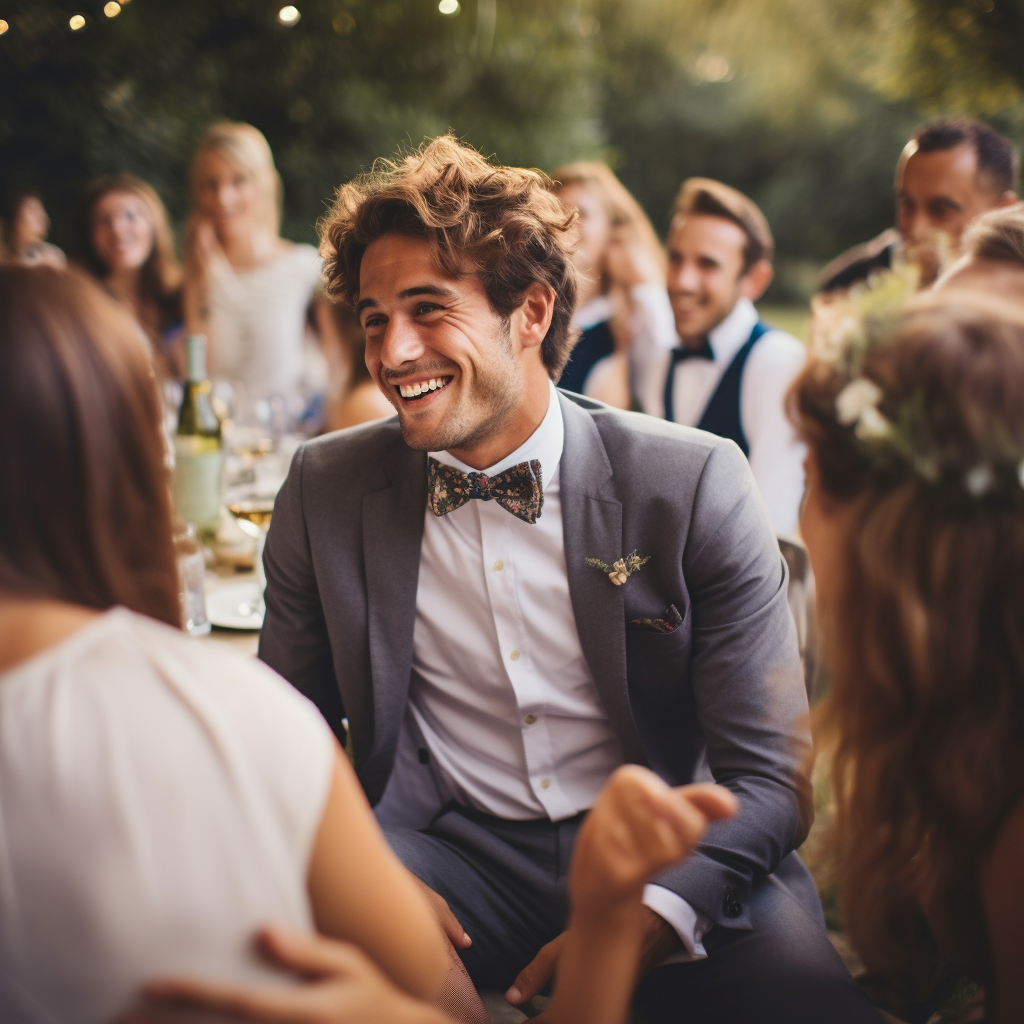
350, 82
803, 105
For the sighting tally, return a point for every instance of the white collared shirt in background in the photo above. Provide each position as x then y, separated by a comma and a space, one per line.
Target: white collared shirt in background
776, 456
500, 695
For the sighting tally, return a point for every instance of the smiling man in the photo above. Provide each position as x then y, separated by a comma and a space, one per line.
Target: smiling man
506, 592
730, 373
949, 173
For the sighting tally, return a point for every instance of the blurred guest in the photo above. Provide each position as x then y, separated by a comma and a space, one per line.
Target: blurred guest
948, 173
730, 373
914, 520
246, 288
623, 310
993, 255
25, 225
125, 242
161, 797
352, 397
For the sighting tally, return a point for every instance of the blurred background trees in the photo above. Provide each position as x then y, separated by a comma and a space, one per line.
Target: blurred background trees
803, 105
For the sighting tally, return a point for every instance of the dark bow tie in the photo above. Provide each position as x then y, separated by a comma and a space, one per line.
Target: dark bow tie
680, 355
684, 352
518, 490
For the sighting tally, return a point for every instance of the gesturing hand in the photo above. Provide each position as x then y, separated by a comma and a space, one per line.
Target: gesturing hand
344, 987
638, 826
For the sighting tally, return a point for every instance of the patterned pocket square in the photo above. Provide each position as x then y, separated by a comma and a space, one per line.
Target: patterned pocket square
672, 621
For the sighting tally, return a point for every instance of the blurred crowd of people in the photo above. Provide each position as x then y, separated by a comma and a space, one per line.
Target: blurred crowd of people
668, 330
891, 444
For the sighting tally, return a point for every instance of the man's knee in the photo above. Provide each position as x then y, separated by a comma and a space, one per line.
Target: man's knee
783, 970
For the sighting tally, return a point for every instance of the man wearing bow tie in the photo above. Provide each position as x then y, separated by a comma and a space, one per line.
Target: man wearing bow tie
507, 592
730, 372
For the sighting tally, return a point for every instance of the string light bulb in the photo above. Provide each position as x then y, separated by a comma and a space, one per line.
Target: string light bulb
112, 10
3, 26
449, 7
76, 22
288, 15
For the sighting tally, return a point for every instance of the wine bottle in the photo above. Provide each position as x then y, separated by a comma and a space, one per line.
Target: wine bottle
196, 482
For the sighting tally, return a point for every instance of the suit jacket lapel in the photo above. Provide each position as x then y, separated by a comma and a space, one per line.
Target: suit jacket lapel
392, 537
592, 525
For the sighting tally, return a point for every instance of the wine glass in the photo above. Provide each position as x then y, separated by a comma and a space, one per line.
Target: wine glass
253, 511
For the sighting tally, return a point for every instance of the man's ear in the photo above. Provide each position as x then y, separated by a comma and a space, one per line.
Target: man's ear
533, 317
755, 281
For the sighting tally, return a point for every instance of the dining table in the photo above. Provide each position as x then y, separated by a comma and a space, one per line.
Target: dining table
218, 578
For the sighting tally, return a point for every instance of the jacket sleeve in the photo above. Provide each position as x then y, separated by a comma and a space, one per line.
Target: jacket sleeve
748, 689
294, 641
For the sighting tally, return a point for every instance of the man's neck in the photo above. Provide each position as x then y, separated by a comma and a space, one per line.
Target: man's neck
521, 427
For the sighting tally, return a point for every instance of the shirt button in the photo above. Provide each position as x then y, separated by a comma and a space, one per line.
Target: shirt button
514, 655
544, 783
499, 565
530, 719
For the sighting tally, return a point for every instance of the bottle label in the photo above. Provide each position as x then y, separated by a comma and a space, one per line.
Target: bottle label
196, 481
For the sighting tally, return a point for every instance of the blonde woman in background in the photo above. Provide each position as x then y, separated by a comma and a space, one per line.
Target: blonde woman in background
246, 288
623, 309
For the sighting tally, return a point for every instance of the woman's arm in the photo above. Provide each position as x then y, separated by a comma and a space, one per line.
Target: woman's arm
1003, 897
637, 826
362, 894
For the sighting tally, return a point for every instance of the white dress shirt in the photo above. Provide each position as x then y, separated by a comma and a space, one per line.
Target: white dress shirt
776, 456
500, 694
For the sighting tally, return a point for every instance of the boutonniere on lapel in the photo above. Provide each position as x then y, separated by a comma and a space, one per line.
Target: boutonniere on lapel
619, 571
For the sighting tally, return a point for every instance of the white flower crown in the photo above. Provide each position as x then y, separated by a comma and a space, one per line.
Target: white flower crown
907, 438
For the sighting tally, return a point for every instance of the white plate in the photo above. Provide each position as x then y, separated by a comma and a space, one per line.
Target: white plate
231, 607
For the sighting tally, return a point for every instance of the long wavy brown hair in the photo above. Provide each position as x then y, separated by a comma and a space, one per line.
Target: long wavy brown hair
923, 626
86, 516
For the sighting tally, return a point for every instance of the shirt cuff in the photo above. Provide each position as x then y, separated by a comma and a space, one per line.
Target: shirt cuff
690, 925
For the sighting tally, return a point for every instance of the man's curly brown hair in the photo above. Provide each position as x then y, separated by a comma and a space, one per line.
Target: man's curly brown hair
501, 223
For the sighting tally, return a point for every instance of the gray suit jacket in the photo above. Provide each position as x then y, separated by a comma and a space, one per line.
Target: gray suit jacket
342, 563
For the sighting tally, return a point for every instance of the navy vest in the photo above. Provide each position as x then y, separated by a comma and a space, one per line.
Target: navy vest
722, 413
594, 344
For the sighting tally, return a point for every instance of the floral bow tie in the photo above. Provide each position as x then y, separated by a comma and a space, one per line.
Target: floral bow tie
518, 490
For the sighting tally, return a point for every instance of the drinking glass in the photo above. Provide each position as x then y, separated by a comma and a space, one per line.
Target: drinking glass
191, 581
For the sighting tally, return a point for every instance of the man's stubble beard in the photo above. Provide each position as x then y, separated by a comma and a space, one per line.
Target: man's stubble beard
498, 394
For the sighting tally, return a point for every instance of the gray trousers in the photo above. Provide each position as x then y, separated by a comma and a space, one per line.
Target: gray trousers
505, 881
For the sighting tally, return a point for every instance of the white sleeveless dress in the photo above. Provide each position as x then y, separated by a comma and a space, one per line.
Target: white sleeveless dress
159, 798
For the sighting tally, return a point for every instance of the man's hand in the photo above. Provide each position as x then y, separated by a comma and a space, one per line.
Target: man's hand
343, 987
660, 941
449, 923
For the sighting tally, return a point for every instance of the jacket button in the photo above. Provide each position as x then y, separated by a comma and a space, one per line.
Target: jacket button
731, 906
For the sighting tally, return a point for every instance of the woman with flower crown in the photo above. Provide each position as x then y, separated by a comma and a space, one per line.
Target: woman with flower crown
914, 520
